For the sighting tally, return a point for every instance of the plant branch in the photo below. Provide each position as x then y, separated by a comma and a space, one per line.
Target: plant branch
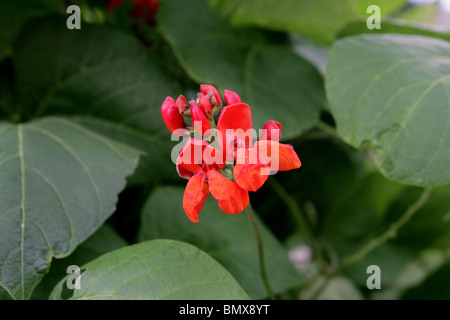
391, 232
301, 220
260, 252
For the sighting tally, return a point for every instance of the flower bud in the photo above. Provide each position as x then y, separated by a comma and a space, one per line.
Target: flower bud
181, 103
205, 88
231, 97
171, 116
271, 131
204, 104
199, 119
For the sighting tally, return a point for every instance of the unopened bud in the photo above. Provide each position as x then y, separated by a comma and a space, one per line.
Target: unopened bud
205, 88
181, 103
171, 115
271, 131
199, 119
231, 97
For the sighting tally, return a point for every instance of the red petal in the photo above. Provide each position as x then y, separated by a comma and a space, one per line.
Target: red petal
271, 131
232, 198
231, 97
195, 195
282, 157
190, 157
250, 173
195, 154
235, 122
199, 119
112, 4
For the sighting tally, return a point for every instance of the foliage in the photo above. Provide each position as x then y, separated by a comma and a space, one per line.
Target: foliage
86, 176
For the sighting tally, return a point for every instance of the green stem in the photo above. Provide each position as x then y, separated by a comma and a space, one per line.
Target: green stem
260, 252
391, 232
328, 129
301, 220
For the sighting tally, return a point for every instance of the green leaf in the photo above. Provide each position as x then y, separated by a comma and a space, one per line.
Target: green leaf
13, 14
59, 182
390, 25
390, 92
227, 238
336, 288
93, 71
386, 6
160, 270
154, 165
102, 241
435, 287
319, 20
430, 225
274, 81
358, 217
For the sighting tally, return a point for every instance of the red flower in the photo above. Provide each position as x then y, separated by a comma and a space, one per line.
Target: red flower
248, 163
142, 8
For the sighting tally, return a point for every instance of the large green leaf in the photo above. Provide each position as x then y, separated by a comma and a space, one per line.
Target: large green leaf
274, 81
390, 25
319, 20
390, 92
93, 71
154, 164
59, 182
13, 14
104, 75
227, 238
102, 241
157, 270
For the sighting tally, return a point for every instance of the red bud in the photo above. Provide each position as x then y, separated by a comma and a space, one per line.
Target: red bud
231, 97
204, 104
181, 103
205, 88
171, 116
271, 131
199, 119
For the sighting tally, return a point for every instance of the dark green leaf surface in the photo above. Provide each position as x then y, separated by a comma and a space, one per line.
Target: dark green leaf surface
227, 238
93, 71
13, 14
391, 92
59, 183
275, 82
102, 241
319, 20
157, 270
154, 164
435, 287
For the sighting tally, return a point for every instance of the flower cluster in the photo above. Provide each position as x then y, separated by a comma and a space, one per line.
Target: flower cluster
145, 9
223, 159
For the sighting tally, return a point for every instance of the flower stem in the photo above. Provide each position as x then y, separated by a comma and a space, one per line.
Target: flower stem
301, 220
391, 232
260, 252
